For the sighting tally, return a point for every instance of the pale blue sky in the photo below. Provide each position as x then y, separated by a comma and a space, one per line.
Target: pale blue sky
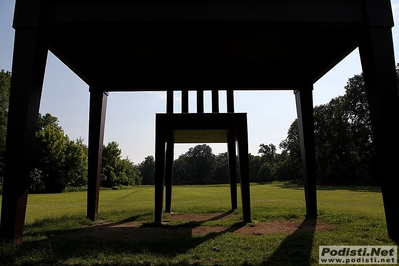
131, 116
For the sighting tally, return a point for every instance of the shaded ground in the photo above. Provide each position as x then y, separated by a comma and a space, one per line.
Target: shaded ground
191, 227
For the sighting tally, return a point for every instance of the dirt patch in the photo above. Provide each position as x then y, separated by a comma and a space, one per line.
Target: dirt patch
139, 231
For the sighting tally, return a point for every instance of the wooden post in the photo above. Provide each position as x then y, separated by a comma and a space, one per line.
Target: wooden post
169, 101
377, 57
230, 100
160, 140
304, 104
242, 139
98, 105
231, 151
215, 101
169, 170
200, 101
184, 101
29, 62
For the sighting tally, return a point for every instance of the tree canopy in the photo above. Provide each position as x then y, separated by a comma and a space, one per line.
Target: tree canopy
115, 171
147, 170
198, 165
344, 138
58, 162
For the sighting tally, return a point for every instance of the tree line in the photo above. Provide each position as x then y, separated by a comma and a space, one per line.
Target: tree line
200, 166
345, 154
343, 136
59, 163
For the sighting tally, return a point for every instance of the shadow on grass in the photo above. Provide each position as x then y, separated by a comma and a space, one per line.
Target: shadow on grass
296, 249
332, 188
113, 240
139, 189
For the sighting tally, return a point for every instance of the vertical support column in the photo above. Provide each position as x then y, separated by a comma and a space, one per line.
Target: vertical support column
184, 101
377, 57
169, 101
215, 101
230, 101
304, 104
200, 101
29, 62
169, 170
231, 151
242, 139
169, 156
160, 139
98, 105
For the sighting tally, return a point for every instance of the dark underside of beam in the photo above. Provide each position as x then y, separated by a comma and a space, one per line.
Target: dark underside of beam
152, 56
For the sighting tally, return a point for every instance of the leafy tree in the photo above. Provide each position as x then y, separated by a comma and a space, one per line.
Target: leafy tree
222, 172
111, 156
255, 163
269, 157
181, 170
45, 120
201, 164
49, 159
215, 169
332, 142
268, 152
127, 173
291, 152
147, 169
76, 163
58, 162
265, 172
117, 172
285, 169
196, 166
362, 151
343, 138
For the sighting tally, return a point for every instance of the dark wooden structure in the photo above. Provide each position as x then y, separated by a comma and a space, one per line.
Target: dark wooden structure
160, 45
201, 127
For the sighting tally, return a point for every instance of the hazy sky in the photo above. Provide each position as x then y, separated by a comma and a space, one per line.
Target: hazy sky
130, 118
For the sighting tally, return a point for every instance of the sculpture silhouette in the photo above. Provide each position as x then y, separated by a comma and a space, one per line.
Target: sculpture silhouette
159, 45
201, 127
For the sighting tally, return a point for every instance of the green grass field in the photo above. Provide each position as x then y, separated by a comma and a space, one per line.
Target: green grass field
356, 213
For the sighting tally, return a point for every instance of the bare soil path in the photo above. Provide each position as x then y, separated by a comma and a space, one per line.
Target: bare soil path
137, 230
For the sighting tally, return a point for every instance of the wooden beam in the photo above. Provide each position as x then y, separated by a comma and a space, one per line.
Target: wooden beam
304, 104
169, 101
378, 63
349, 11
230, 101
98, 105
200, 101
184, 101
215, 101
29, 62
232, 157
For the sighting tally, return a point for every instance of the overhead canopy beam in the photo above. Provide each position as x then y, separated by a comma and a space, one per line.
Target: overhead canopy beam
273, 11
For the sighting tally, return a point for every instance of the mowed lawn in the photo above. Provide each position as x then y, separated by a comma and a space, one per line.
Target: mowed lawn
355, 216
